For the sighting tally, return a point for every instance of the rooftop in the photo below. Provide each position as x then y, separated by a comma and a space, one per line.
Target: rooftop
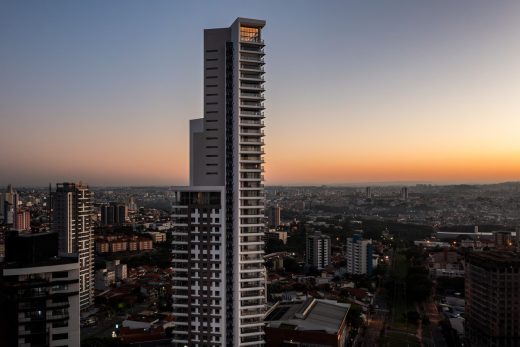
312, 314
488, 259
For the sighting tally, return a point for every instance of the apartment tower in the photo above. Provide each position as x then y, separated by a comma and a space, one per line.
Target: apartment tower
359, 255
318, 250
71, 218
39, 293
219, 275
492, 311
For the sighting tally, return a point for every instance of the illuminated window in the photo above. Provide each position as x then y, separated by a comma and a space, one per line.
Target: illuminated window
248, 34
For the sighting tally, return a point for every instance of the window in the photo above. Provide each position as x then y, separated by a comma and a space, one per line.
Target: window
60, 274
60, 324
63, 336
249, 34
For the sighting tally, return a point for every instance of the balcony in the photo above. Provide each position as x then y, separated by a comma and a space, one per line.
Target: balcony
252, 104
252, 57
259, 312
252, 96
253, 276
254, 43
251, 132
252, 253
256, 267
245, 259
249, 76
253, 240
251, 193
258, 285
254, 68
251, 113
252, 141
256, 86
252, 341
250, 49
252, 123
252, 330
252, 186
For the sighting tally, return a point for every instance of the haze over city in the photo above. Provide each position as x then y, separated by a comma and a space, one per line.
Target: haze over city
404, 91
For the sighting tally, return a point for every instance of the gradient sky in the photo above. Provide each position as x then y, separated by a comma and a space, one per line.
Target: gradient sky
362, 91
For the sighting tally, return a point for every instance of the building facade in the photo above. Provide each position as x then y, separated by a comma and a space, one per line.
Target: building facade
275, 216
114, 214
225, 199
71, 218
492, 287
359, 256
39, 293
9, 206
318, 250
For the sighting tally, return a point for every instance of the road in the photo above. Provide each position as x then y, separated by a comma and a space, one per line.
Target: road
435, 318
376, 321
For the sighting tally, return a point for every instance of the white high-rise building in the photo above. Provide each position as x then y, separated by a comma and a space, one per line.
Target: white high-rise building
359, 255
71, 212
219, 275
318, 250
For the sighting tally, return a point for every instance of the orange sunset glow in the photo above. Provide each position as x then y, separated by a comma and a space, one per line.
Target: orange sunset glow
416, 96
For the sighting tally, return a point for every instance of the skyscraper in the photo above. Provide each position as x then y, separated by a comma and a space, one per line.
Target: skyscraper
219, 282
71, 211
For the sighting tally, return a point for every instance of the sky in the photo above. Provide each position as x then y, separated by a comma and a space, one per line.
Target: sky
357, 91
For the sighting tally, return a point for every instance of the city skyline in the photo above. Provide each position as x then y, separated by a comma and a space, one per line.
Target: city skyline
356, 93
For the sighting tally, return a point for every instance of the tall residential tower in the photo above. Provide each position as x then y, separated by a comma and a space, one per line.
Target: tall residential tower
71, 212
219, 275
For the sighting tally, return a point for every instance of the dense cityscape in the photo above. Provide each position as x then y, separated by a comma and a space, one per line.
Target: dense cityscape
232, 260
390, 263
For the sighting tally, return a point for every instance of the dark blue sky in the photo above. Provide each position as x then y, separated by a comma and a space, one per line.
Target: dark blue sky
103, 90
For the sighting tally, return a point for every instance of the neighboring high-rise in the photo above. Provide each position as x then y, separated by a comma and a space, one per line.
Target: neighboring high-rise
275, 216
39, 293
9, 206
492, 310
71, 212
219, 275
359, 255
318, 250
404, 193
114, 214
